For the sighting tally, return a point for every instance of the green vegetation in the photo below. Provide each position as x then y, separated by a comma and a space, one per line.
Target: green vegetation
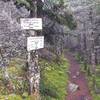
96, 96
65, 19
90, 78
18, 81
92, 90
53, 79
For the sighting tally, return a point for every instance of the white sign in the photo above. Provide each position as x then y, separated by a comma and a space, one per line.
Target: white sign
31, 23
42, 0
34, 43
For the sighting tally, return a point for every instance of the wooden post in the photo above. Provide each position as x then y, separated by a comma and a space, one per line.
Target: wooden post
33, 67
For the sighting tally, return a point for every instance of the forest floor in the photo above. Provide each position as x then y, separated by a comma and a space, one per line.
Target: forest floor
77, 77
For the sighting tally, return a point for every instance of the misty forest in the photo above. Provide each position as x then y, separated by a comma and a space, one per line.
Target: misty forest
49, 50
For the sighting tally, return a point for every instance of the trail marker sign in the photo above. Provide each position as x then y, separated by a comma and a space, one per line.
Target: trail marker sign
31, 23
34, 43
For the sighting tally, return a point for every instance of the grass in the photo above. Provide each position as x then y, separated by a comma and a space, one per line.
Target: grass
54, 79
15, 70
95, 96
97, 78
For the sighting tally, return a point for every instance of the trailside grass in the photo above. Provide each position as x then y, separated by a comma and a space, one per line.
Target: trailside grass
54, 79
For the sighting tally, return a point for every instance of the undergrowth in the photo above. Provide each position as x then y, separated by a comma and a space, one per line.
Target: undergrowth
53, 79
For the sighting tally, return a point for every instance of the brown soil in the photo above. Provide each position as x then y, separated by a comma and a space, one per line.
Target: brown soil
83, 92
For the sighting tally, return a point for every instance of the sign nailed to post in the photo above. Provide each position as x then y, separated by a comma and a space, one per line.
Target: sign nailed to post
31, 23
34, 43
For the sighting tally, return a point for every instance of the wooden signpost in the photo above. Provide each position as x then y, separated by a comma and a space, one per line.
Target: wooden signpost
33, 44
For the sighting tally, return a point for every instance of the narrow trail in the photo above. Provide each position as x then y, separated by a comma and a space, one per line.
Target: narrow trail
83, 92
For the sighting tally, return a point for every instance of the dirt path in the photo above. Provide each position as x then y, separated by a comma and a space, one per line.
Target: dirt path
83, 92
